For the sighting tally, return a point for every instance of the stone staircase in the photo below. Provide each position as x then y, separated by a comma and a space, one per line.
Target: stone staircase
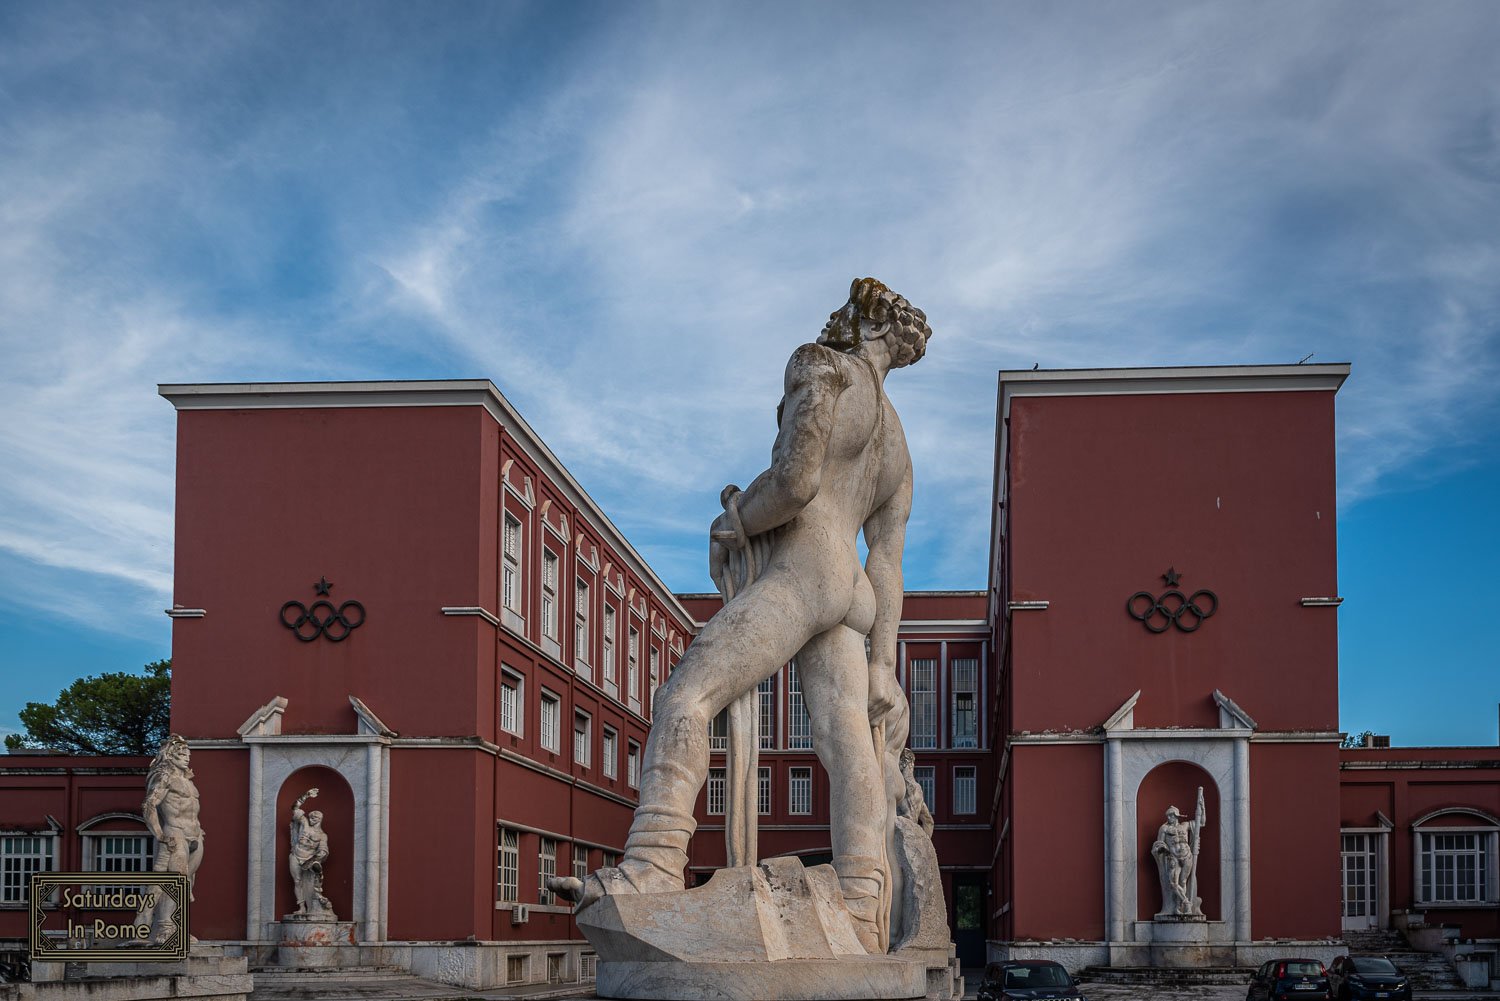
1428, 971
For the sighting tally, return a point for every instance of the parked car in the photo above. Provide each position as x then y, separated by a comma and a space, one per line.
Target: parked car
1021, 979
1353, 978
1286, 979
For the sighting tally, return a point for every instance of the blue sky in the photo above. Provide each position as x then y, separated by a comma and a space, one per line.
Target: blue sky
628, 214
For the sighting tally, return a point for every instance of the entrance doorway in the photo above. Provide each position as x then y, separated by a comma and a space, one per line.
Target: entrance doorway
1360, 869
968, 917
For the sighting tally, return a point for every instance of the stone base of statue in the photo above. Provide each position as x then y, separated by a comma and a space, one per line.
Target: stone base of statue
314, 941
206, 975
772, 932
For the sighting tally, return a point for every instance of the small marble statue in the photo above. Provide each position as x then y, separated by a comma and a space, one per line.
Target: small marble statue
1176, 852
309, 849
913, 803
171, 815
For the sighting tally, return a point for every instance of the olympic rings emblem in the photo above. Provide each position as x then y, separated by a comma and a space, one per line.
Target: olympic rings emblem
322, 619
1171, 608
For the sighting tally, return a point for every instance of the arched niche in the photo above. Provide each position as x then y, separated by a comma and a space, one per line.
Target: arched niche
1175, 783
336, 801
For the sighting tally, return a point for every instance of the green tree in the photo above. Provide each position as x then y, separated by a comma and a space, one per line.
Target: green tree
1357, 739
111, 713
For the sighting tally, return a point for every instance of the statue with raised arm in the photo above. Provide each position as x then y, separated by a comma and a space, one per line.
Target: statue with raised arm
170, 812
1176, 852
309, 848
785, 554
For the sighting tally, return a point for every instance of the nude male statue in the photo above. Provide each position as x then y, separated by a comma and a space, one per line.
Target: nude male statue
170, 812
1176, 853
839, 465
309, 847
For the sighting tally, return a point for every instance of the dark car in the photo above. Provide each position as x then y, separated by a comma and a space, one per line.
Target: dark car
1027, 978
1354, 978
1286, 979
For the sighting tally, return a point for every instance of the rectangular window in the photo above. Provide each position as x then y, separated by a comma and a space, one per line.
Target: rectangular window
718, 731
798, 723
763, 792
611, 753
799, 792
1457, 868
609, 859
655, 679
581, 628
965, 722
508, 867
611, 684
765, 698
549, 593
510, 573
20, 856
924, 719
580, 861
517, 969
633, 667
511, 687
633, 764
582, 732
716, 784
965, 788
926, 776
551, 713
121, 852
546, 858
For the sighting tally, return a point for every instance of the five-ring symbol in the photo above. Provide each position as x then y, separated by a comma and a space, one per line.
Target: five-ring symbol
322, 619
1171, 608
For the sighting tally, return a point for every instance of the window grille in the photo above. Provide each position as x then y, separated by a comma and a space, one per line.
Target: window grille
763, 792
716, 783
20, 856
718, 731
926, 776
611, 754
633, 667
550, 708
549, 593
765, 697
799, 792
510, 573
965, 722
798, 723
1457, 868
633, 765
580, 861
608, 666
508, 867
923, 675
546, 866
581, 628
582, 726
510, 703
965, 788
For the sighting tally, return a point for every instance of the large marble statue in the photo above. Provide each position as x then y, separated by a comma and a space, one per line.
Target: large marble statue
309, 849
171, 815
1176, 852
785, 554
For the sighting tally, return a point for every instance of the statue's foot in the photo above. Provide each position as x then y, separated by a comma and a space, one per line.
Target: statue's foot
631, 876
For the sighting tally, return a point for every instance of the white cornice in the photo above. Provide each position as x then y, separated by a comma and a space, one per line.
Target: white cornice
418, 393
1189, 379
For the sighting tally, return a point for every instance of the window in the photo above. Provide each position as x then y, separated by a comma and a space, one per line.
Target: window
557, 963
517, 969
580, 861
799, 792
118, 853
655, 679
765, 697
965, 788
510, 573
611, 753
551, 709
633, 764
581, 627
511, 687
798, 723
508, 867
1457, 867
549, 593
964, 727
609, 859
763, 792
582, 732
633, 667
20, 856
926, 777
716, 784
546, 858
718, 731
608, 665
923, 676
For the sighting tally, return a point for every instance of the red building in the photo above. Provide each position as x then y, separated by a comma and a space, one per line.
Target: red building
395, 593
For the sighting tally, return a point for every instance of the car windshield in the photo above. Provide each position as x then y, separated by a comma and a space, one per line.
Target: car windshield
1303, 969
1374, 966
1036, 976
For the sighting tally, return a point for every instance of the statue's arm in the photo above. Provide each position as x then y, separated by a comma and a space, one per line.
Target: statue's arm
885, 535
149, 812
814, 381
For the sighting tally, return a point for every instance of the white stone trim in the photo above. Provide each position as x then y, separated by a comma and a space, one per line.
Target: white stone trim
1325, 601
265, 721
1027, 606
476, 610
178, 612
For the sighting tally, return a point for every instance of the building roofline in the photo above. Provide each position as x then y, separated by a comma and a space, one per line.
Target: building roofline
417, 393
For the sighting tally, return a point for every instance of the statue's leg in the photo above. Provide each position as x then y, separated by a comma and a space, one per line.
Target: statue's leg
835, 682
747, 641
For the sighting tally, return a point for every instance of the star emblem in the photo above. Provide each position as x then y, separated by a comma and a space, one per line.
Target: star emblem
1171, 577
323, 586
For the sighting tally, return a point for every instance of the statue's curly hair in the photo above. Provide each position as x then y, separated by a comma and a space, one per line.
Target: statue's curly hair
163, 763
879, 304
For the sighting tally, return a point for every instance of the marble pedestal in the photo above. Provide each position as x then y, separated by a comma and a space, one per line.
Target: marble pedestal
308, 942
206, 975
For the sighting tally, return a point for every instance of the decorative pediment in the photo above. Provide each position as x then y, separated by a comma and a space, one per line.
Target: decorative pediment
369, 724
1231, 716
265, 721
1123, 718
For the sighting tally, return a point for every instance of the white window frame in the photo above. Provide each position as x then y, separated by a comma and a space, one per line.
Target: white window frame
632, 764
508, 865
516, 684
965, 790
546, 865
718, 731
518, 969
580, 861
765, 699
582, 595
763, 792
926, 776
610, 749
583, 738
20, 856
550, 564
965, 672
922, 672
513, 549
633, 665
550, 722
799, 792
1482, 846
99, 855
607, 658
654, 679
716, 791
798, 722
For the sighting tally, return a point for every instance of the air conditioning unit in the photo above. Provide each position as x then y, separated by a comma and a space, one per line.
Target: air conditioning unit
520, 914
